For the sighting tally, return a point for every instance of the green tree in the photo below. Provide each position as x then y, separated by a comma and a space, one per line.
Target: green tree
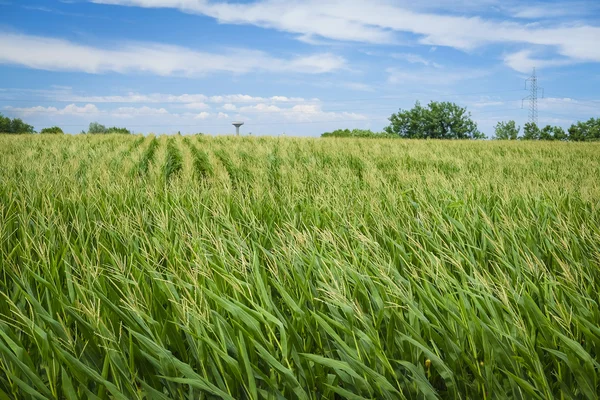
4, 124
531, 132
17, 126
585, 131
55, 130
559, 133
439, 120
547, 133
506, 130
114, 129
96, 128
409, 123
362, 133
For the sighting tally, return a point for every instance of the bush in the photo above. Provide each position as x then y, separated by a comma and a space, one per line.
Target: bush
55, 130
122, 131
98, 129
506, 130
359, 133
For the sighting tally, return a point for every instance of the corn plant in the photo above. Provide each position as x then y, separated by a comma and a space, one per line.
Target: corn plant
305, 269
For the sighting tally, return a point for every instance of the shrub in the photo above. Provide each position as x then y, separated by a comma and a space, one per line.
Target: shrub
55, 130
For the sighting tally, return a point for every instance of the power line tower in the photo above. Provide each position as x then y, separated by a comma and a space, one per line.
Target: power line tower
533, 97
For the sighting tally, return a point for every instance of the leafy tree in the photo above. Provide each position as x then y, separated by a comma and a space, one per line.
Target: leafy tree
364, 133
585, 131
4, 124
506, 130
547, 133
114, 129
55, 130
531, 131
577, 132
14, 126
96, 128
17, 126
559, 133
439, 120
409, 123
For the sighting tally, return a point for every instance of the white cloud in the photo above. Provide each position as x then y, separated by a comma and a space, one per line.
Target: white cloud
379, 21
415, 59
361, 87
546, 10
297, 113
229, 107
71, 109
193, 100
523, 61
61, 55
222, 115
197, 106
482, 104
129, 112
432, 76
260, 108
202, 115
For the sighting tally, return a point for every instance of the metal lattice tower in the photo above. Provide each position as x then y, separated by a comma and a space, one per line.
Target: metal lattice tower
533, 97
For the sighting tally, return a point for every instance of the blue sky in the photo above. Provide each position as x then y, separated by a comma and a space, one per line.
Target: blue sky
293, 67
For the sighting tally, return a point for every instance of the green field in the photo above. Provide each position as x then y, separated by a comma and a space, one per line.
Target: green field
194, 267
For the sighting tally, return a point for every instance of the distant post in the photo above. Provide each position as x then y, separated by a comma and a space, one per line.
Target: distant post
237, 125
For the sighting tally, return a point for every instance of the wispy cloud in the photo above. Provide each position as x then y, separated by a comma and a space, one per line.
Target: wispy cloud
61, 55
524, 61
415, 59
433, 76
380, 21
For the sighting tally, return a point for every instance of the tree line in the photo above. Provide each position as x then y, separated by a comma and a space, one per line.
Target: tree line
16, 126
582, 131
447, 120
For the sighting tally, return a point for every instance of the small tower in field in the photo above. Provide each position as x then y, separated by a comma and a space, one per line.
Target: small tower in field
237, 125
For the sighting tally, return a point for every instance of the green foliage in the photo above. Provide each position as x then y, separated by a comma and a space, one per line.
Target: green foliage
14, 126
55, 130
506, 130
99, 129
585, 131
122, 131
298, 269
439, 120
174, 161
531, 131
357, 133
96, 129
558, 133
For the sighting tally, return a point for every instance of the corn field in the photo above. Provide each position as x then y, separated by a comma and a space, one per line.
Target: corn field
176, 267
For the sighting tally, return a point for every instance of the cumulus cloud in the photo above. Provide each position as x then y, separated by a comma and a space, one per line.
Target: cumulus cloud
71, 109
129, 112
197, 106
202, 115
297, 113
52, 54
260, 108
